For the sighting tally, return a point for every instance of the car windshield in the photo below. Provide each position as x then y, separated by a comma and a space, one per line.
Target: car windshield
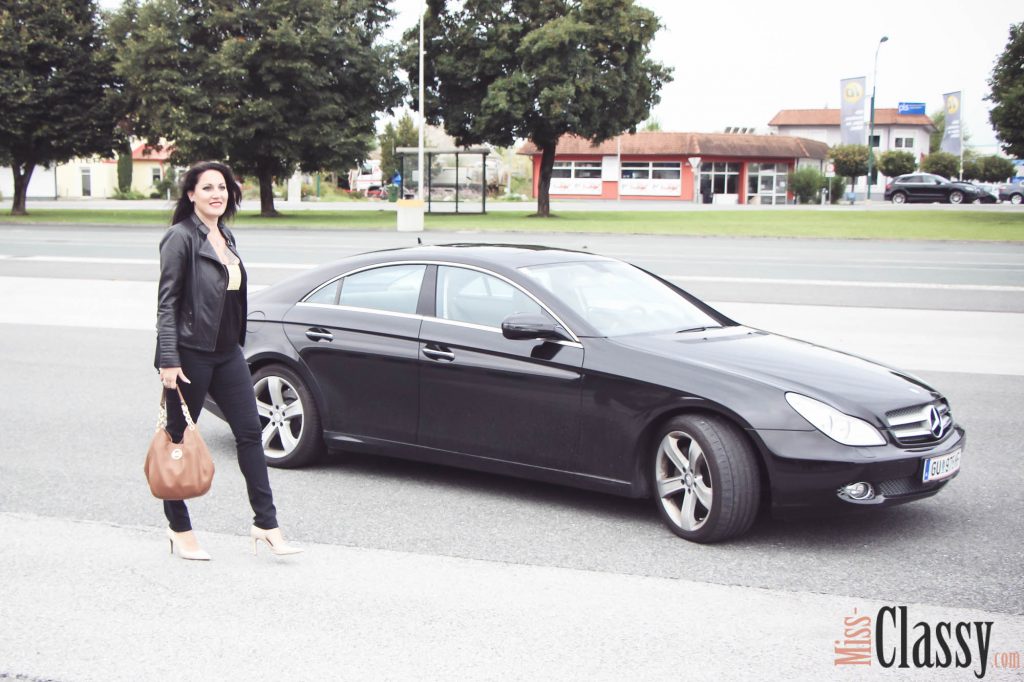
618, 299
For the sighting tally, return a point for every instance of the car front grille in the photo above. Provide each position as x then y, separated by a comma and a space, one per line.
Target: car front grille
921, 424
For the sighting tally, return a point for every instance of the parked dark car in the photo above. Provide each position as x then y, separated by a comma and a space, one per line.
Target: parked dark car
576, 369
930, 188
1012, 192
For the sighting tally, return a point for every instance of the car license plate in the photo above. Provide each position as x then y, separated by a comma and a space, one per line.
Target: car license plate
937, 468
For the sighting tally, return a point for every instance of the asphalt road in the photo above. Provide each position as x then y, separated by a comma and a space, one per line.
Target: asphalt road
78, 402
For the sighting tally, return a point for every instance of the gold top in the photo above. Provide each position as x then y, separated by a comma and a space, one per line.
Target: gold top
234, 275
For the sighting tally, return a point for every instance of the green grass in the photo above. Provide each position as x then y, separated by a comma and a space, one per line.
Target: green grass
960, 225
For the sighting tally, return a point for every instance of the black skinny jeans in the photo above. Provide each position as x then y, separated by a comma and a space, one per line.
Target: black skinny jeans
225, 376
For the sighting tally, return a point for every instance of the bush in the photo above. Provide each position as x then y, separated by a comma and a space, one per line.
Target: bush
850, 161
893, 163
169, 184
836, 188
128, 195
992, 168
942, 163
124, 169
807, 183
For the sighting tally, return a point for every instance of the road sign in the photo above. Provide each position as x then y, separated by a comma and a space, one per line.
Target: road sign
910, 108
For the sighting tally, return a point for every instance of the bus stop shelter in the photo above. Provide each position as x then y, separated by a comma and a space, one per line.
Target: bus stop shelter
455, 182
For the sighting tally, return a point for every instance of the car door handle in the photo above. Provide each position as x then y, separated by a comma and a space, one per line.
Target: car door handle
316, 334
435, 354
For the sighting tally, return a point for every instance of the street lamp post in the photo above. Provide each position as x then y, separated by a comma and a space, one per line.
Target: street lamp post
410, 211
871, 127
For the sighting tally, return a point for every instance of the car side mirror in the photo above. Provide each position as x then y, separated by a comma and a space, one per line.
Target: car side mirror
526, 326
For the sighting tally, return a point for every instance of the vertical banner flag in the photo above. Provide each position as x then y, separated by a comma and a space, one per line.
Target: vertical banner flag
851, 115
951, 138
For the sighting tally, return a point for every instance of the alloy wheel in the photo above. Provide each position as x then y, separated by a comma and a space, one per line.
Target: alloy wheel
281, 415
684, 481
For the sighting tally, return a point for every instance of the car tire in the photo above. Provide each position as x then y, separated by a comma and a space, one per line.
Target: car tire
956, 197
705, 478
292, 435
899, 198
1016, 199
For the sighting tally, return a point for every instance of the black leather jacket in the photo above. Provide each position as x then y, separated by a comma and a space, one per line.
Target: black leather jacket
192, 289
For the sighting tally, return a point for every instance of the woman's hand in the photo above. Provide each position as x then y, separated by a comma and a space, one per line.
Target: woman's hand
169, 376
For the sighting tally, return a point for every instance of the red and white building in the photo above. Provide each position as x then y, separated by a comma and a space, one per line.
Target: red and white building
721, 168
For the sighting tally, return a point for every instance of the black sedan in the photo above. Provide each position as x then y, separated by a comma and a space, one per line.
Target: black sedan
926, 187
572, 368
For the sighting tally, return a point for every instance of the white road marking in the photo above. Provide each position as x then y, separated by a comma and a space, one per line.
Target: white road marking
143, 261
675, 278
848, 283
930, 340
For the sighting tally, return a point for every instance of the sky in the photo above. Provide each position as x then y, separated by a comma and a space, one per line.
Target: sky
739, 62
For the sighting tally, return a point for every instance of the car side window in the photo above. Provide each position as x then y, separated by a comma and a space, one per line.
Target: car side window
465, 295
393, 288
326, 294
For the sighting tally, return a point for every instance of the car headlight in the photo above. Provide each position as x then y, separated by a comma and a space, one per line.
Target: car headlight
840, 427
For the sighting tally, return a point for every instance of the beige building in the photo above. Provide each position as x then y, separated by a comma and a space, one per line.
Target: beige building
97, 178
84, 178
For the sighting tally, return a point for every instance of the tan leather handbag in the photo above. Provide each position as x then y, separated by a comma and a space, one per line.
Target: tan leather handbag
178, 471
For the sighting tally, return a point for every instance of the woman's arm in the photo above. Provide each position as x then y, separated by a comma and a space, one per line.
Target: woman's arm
174, 259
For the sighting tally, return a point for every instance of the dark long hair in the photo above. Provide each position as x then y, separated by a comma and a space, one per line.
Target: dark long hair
183, 209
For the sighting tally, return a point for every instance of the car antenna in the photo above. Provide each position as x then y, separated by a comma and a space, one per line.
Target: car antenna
418, 240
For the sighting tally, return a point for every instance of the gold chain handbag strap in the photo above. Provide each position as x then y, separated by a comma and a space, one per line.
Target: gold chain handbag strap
161, 421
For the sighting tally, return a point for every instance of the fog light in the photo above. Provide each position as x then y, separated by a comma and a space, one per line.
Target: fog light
858, 491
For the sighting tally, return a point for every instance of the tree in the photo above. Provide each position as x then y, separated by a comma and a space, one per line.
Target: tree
59, 97
268, 86
807, 184
935, 137
651, 125
1007, 83
538, 69
405, 135
850, 160
124, 168
893, 163
942, 163
988, 168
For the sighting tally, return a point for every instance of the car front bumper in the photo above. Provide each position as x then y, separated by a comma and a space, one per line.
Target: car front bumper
807, 470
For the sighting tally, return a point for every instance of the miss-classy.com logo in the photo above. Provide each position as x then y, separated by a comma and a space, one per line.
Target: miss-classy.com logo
890, 638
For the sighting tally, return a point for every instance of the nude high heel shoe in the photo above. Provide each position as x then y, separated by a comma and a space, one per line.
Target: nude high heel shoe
274, 539
191, 554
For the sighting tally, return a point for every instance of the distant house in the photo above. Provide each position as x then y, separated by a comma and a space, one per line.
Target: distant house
721, 168
893, 131
86, 178
149, 167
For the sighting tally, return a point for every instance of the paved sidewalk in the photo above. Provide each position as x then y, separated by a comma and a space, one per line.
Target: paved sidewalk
90, 601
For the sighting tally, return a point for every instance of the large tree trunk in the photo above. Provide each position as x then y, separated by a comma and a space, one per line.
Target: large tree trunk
547, 162
22, 171
266, 178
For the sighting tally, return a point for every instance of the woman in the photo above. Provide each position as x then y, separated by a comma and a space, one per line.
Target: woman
200, 328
